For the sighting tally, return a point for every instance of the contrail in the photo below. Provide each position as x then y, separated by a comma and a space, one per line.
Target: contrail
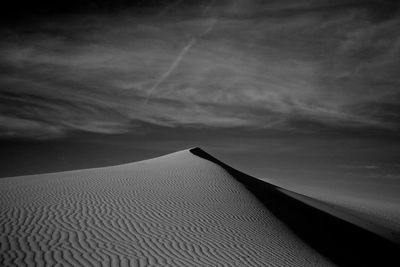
171, 68
182, 54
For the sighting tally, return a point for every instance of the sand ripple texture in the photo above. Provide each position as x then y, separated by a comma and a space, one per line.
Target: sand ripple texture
175, 210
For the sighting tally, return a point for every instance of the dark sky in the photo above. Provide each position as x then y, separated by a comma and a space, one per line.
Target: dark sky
298, 90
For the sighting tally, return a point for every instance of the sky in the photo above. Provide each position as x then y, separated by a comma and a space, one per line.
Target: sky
289, 90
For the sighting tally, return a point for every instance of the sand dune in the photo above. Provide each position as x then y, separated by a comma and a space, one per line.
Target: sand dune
181, 209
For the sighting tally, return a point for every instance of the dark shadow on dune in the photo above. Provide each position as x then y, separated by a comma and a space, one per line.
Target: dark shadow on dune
342, 242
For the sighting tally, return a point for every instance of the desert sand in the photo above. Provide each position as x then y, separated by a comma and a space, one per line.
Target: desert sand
182, 209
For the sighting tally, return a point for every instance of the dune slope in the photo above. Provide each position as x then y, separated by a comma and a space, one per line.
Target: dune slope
338, 233
176, 210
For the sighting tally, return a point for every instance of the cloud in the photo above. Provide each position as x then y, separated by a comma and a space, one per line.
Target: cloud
293, 65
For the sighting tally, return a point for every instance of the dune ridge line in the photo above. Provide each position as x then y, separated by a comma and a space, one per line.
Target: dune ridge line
337, 234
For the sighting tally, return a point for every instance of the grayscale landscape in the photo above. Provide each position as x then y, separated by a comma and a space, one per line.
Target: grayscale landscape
200, 133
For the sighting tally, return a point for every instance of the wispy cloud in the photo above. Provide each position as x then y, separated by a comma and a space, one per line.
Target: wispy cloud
260, 66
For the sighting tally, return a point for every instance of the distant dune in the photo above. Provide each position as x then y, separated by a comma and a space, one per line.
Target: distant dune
182, 209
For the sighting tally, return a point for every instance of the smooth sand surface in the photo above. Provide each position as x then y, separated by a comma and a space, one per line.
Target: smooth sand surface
175, 210
367, 211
